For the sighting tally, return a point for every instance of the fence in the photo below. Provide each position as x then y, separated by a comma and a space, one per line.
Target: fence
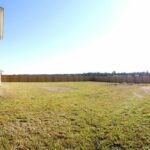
67, 78
43, 78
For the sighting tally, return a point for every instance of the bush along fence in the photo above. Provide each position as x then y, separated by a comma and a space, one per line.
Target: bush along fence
76, 78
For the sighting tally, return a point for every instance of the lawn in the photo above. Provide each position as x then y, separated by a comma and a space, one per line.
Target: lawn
74, 115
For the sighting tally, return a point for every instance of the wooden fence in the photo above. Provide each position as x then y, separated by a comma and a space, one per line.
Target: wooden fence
67, 78
43, 78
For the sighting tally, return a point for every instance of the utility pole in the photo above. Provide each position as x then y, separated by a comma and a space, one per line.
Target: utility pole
1, 33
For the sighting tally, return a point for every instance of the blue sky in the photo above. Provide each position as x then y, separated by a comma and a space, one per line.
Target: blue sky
73, 36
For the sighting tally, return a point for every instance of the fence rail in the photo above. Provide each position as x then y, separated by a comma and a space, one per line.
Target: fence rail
67, 78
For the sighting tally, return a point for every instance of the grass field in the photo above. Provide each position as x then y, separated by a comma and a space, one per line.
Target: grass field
85, 115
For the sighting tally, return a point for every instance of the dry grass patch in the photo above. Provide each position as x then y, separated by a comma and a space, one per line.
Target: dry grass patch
5, 93
61, 88
146, 89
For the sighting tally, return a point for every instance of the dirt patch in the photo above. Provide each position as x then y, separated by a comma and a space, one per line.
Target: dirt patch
56, 135
141, 92
4, 93
146, 89
137, 95
57, 88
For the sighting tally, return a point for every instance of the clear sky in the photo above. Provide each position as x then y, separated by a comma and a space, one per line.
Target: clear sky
75, 36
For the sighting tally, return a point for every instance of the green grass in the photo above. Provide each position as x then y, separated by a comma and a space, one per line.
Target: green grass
85, 115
